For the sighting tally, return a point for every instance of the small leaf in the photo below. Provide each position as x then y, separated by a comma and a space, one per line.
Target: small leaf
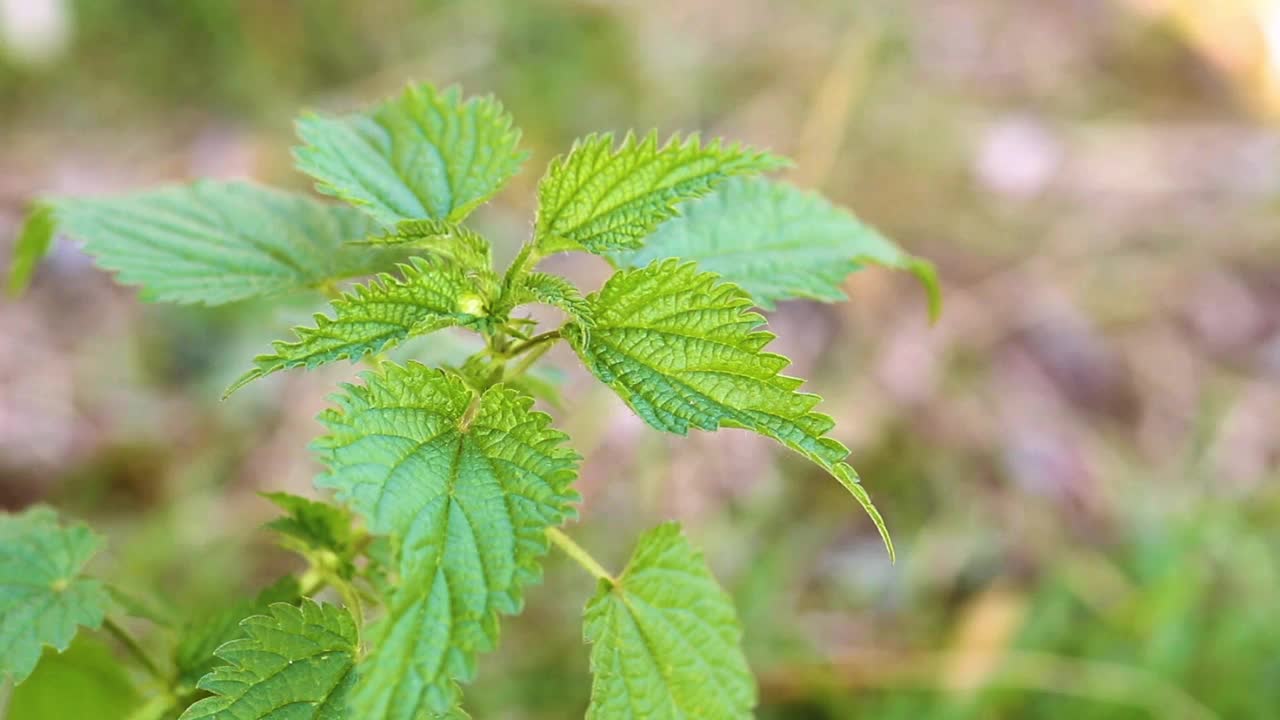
542, 382
297, 662
424, 155
469, 484
666, 642
314, 527
683, 350
602, 200
44, 596
548, 289
456, 243
777, 242
34, 240
217, 242
86, 681
376, 317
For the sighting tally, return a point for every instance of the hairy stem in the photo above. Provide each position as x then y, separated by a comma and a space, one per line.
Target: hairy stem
579, 554
533, 342
130, 644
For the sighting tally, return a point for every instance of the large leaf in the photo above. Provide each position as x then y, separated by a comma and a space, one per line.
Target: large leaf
295, 663
666, 642
777, 242
683, 350
216, 242
469, 484
86, 681
378, 316
600, 199
44, 596
424, 155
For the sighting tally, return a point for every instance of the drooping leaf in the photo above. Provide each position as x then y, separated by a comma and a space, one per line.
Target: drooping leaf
34, 240
44, 596
601, 200
86, 681
296, 663
468, 483
217, 242
777, 242
424, 155
457, 243
684, 350
378, 316
666, 642
312, 527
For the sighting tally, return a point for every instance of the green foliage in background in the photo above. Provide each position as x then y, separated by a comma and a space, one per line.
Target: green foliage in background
450, 487
44, 596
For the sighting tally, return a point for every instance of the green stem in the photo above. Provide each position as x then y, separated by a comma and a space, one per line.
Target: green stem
312, 581
579, 554
135, 649
527, 361
533, 342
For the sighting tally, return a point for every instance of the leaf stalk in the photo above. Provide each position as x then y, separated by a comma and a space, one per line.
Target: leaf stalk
579, 555
135, 649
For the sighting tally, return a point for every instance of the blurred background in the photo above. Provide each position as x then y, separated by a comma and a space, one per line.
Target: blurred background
1079, 461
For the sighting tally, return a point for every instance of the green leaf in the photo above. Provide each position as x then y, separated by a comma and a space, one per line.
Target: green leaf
86, 681
312, 527
469, 483
424, 155
683, 350
601, 200
666, 642
217, 242
777, 242
542, 382
456, 243
201, 636
34, 240
296, 663
44, 597
378, 316
548, 289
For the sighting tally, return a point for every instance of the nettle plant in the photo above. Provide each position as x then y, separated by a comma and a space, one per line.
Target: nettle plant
449, 486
